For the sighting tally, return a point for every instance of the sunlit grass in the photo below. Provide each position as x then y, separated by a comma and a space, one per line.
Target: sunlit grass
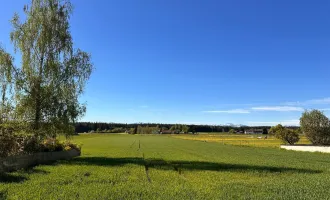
164, 167
239, 139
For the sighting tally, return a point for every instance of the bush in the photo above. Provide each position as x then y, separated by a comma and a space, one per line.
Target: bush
316, 126
15, 144
288, 136
31, 144
232, 131
51, 144
14, 141
67, 145
8, 142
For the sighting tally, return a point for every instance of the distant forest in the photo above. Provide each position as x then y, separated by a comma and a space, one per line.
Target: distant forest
84, 127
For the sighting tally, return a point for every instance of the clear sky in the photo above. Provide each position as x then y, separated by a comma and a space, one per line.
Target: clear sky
205, 62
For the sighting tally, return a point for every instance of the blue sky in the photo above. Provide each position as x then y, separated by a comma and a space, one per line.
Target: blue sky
204, 62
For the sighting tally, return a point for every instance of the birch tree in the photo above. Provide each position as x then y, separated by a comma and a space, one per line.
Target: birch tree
53, 73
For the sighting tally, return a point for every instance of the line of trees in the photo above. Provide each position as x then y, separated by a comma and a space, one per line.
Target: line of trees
85, 127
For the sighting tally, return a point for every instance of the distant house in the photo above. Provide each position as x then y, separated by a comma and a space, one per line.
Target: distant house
253, 131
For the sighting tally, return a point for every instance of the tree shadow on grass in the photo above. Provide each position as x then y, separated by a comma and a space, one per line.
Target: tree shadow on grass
3, 195
9, 178
20, 176
179, 165
34, 171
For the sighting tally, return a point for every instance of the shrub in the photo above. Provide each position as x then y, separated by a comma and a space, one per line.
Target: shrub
316, 126
14, 141
67, 148
288, 136
67, 145
232, 131
8, 142
51, 144
31, 144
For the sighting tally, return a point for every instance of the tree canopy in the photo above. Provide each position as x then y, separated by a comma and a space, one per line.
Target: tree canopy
316, 126
52, 74
288, 136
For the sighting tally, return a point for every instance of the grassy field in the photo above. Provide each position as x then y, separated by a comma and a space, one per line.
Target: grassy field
164, 167
239, 139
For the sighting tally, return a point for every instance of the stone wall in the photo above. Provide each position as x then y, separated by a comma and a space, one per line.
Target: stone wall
13, 163
309, 148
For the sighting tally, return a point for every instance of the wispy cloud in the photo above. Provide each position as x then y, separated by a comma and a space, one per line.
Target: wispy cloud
236, 104
319, 101
310, 102
324, 109
293, 122
277, 108
298, 106
260, 108
233, 111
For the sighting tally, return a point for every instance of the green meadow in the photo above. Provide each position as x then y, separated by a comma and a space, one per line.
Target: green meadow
164, 167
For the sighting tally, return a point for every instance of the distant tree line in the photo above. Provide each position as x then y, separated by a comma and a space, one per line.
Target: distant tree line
84, 127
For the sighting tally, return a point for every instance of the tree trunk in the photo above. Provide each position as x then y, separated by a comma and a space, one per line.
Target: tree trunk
38, 96
37, 112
